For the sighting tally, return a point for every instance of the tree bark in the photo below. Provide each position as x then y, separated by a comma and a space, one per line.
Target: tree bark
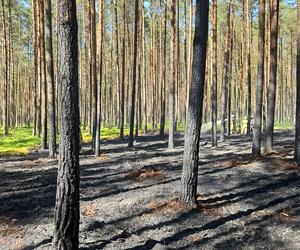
173, 77
274, 13
194, 118
134, 78
5, 65
93, 51
189, 61
43, 81
67, 195
164, 68
226, 74
297, 136
249, 76
35, 64
99, 83
256, 146
214, 116
50, 79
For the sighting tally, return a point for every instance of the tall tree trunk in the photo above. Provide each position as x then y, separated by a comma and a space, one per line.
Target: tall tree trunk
194, 118
164, 68
122, 113
99, 83
144, 71
93, 59
190, 59
5, 65
50, 79
119, 73
256, 146
226, 74
230, 75
249, 76
274, 13
35, 65
67, 195
43, 82
214, 116
297, 136
173, 77
134, 78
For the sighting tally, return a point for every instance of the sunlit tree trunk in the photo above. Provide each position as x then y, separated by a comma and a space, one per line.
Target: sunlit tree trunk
256, 146
134, 75
297, 137
214, 116
100, 76
274, 13
172, 78
50, 78
5, 65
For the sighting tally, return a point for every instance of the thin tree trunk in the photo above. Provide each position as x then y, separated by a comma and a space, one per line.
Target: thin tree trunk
5, 65
164, 69
249, 76
214, 116
189, 62
226, 74
93, 59
297, 136
35, 64
50, 79
100, 70
256, 146
274, 13
134, 69
122, 113
44, 89
173, 77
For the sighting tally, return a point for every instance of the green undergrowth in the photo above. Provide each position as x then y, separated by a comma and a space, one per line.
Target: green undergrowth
20, 141
285, 125
112, 133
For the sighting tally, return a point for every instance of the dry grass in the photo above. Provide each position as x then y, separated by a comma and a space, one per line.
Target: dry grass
140, 175
103, 158
261, 213
284, 216
210, 211
18, 246
172, 206
276, 154
8, 230
89, 210
195, 239
237, 163
285, 165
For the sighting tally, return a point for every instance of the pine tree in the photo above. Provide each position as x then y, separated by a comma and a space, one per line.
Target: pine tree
67, 195
256, 146
194, 118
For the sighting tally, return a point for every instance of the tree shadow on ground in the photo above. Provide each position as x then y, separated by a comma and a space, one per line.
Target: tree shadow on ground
30, 194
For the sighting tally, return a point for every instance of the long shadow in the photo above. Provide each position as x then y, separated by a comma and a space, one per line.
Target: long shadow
243, 195
24, 198
255, 180
189, 231
126, 190
230, 231
219, 222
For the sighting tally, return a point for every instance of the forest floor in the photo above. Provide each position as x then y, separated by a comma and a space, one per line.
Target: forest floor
128, 198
